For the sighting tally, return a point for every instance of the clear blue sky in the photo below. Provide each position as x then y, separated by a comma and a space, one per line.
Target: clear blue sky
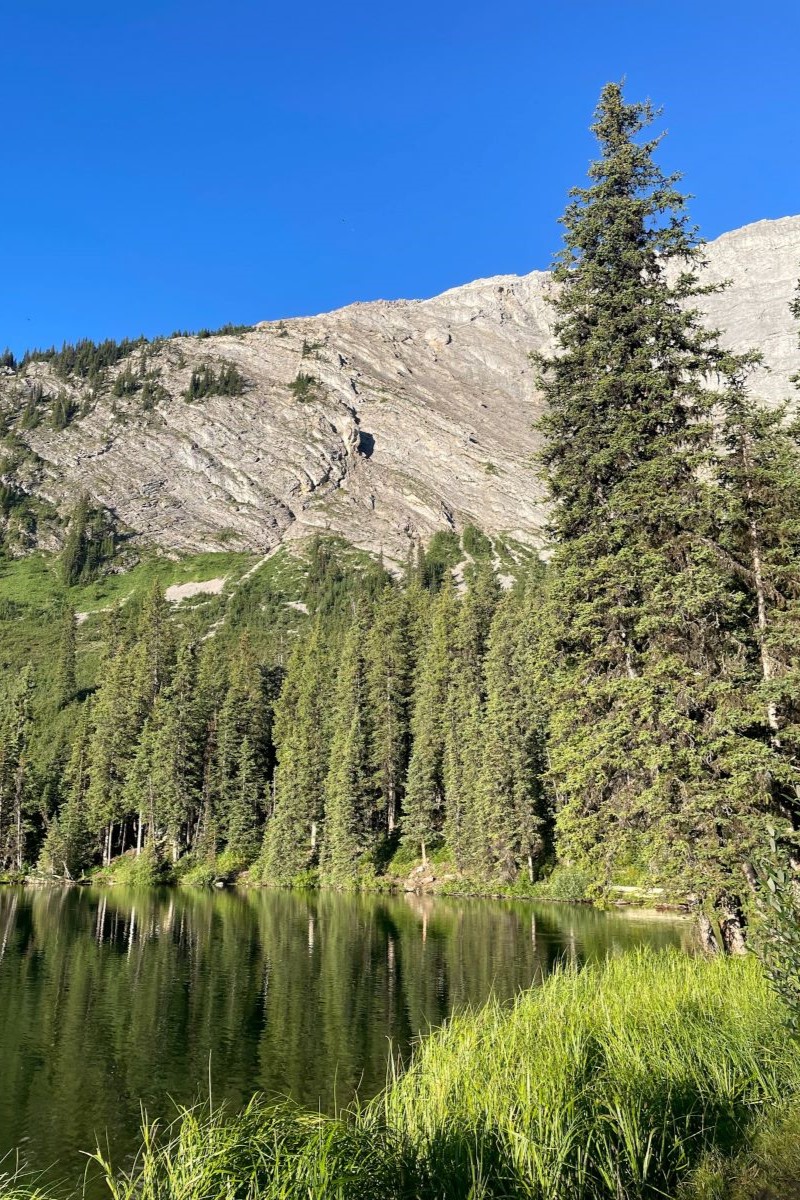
184, 163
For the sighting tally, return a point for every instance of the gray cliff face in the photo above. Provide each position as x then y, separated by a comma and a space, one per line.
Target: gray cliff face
422, 417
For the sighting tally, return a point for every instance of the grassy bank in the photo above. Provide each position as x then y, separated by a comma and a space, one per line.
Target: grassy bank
655, 1075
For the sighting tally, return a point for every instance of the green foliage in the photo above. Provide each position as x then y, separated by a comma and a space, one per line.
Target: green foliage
31, 414
604, 1083
563, 883
89, 544
66, 680
153, 393
310, 349
778, 937
227, 330
304, 387
205, 381
127, 382
648, 659
16, 728
475, 542
442, 554
64, 409
130, 870
85, 359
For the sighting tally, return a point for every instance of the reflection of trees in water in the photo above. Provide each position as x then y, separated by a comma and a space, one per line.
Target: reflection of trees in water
112, 997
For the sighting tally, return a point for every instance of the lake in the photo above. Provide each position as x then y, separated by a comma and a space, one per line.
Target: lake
109, 999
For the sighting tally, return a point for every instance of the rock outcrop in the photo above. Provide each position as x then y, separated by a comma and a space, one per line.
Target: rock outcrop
413, 415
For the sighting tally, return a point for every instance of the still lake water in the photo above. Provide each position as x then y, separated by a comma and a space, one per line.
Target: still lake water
109, 999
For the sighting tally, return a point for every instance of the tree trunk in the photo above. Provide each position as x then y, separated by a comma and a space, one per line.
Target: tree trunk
732, 931
424, 855
139, 834
705, 931
391, 807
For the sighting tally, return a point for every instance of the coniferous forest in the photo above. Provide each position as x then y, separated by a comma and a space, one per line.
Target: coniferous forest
610, 717
623, 710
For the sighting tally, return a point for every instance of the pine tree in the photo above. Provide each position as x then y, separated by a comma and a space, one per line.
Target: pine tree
648, 679
211, 690
66, 684
68, 846
117, 720
73, 557
294, 831
760, 478
163, 786
423, 809
15, 731
389, 677
245, 714
463, 717
243, 806
350, 799
154, 649
511, 810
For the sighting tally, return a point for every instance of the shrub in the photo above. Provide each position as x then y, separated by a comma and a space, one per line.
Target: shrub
144, 870
563, 883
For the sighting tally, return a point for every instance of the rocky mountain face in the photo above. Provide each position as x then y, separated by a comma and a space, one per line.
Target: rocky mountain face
382, 422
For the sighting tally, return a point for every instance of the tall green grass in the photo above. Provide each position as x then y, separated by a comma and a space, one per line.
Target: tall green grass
608, 1082
612, 1083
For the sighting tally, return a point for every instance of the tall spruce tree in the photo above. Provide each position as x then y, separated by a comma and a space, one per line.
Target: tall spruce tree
647, 673
464, 716
423, 809
15, 732
66, 683
389, 677
68, 847
510, 818
244, 715
351, 826
294, 831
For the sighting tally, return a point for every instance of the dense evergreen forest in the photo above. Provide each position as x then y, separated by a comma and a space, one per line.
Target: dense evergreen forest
629, 712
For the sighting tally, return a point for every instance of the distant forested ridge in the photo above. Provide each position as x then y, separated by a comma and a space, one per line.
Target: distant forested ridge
629, 714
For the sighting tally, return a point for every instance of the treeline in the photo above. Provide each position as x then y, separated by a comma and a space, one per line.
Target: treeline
401, 717
89, 360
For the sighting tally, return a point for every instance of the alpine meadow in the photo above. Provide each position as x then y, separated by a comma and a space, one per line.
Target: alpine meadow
342, 703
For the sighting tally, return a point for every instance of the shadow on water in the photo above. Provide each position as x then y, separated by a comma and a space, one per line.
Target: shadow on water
109, 999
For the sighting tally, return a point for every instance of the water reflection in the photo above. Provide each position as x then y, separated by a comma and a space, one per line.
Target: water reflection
111, 998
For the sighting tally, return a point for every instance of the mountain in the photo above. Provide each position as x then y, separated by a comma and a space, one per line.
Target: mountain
382, 421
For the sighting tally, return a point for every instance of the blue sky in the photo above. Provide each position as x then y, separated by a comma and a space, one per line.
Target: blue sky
184, 163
